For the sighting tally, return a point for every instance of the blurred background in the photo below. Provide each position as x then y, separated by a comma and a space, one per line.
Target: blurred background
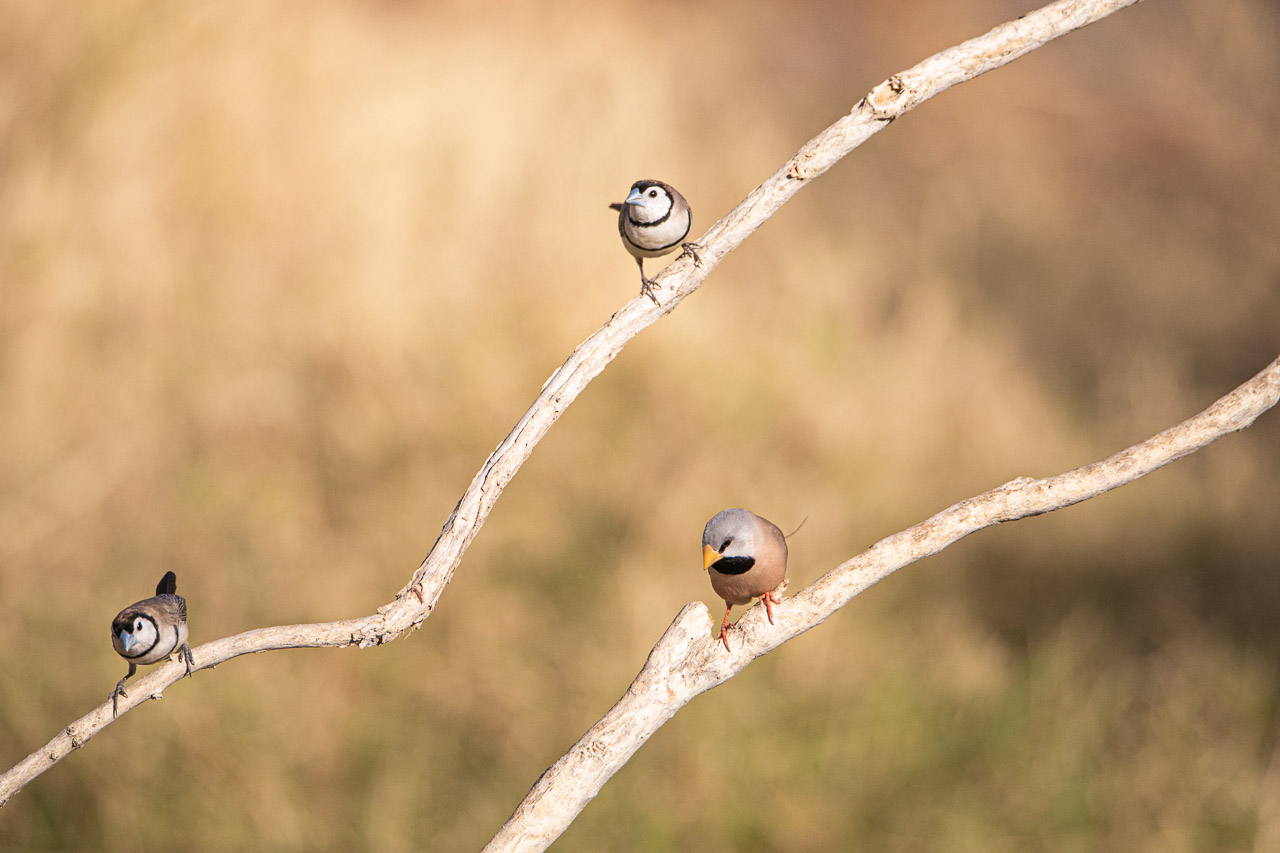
276, 277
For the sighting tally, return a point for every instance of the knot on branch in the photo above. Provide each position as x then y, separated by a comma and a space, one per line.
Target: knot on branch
887, 101
800, 166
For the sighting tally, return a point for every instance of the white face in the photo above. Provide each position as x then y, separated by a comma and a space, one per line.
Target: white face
649, 204
137, 639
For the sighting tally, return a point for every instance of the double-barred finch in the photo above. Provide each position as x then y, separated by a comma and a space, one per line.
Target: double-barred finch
746, 557
150, 631
653, 220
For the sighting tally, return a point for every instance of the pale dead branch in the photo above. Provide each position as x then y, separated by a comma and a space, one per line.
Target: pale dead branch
689, 659
414, 603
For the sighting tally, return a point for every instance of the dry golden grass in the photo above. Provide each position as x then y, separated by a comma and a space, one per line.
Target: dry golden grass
275, 277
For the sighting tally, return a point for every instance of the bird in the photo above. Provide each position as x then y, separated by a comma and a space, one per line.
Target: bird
653, 220
151, 630
746, 557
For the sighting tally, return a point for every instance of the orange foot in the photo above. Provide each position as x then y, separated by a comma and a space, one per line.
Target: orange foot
769, 600
724, 627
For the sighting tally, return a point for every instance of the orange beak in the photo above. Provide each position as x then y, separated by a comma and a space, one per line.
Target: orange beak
709, 556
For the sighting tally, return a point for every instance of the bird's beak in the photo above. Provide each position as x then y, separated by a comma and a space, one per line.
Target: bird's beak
127, 640
709, 556
634, 198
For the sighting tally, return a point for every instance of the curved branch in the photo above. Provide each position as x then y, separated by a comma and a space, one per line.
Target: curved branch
414, 603
689, 659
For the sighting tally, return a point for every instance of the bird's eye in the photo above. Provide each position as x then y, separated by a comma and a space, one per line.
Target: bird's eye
725, 544
137, 624
653, 193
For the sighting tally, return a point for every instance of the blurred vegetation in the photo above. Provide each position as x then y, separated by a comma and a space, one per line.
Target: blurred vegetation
275, 278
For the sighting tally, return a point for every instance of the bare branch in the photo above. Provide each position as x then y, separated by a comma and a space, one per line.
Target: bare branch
689, 659
414, 603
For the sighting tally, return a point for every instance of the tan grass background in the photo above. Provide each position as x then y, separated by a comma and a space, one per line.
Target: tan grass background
275, 277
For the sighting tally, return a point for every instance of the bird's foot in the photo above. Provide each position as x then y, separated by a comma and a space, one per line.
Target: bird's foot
186, 656
691, 249
769, 600
724, 630
646, 288
115, 699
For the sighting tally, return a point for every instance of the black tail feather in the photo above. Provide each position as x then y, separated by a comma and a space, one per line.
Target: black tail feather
168, 584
